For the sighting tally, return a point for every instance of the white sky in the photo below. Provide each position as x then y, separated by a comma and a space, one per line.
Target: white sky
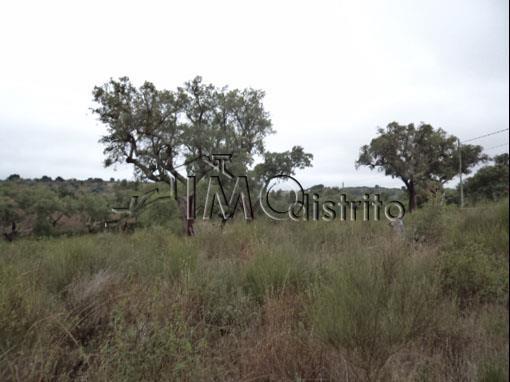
332, 70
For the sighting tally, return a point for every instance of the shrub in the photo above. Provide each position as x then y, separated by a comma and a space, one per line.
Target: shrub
146, 345
262, 301
374, 306
470, 274
275, 273
474, 259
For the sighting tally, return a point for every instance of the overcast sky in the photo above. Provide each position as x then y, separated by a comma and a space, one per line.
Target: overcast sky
332, 70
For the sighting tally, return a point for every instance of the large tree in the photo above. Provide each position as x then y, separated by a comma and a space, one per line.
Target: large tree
164, 132
418, 156
490, 182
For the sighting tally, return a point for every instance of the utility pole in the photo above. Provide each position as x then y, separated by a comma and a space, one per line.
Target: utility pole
460, 176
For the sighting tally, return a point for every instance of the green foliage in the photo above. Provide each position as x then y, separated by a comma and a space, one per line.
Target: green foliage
474, 261
196, 119
71, 206
162, 213
275, 273
417, 156
13, 177
269, 301
155, 130
493, 371
223, 304
490, 182
147, 350
428, 224
284, 163
375, 305
8, 212
95, 207
469, 274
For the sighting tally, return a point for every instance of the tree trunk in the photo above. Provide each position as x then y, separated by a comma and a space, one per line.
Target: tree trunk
10, 236
55, 221
188, 224
411, 191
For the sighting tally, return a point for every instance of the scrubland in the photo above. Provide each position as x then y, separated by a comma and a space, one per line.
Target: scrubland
265, 301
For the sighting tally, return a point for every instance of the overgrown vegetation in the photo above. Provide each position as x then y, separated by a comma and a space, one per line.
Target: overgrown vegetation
263, 301
47, 207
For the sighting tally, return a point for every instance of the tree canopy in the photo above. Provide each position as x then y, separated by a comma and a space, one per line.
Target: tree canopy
282, 163
418, 156
162, 132
157, 130
490, 182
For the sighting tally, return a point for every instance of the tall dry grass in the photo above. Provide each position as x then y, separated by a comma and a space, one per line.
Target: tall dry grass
263, 301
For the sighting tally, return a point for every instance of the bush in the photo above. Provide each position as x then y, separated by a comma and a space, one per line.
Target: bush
262, 301
374, 306
471, 275
275, 273
474, 259
143, 348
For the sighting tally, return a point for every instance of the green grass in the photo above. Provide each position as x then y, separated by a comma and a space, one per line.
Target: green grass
263, 301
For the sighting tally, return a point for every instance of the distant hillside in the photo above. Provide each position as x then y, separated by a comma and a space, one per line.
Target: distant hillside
47, 206
358, 192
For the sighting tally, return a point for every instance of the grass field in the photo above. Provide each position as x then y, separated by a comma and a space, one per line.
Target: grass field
265, 301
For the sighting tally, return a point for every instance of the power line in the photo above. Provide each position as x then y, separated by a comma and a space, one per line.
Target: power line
460, 159
486, 135
496, 147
